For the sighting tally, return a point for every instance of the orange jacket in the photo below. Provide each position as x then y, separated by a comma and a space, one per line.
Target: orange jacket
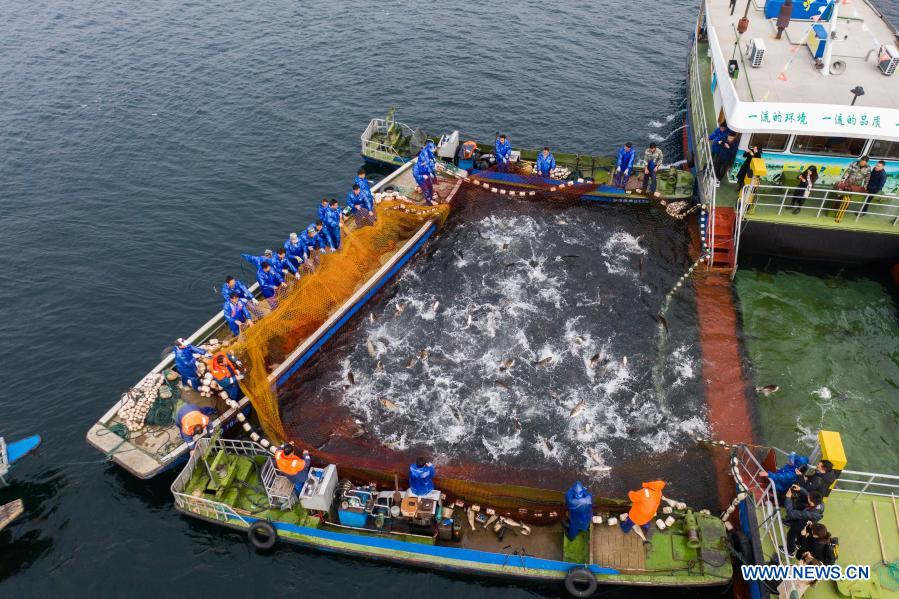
192, 419
221, 371
645, 502
289, 464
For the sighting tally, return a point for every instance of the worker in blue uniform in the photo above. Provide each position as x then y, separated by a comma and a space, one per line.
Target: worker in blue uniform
258, 261
332, 220
502, 151
314, 244
322, 208
324, 235
718, 138
624, 164
233, 285
424, 171
284, 265
269, 282
421, 477
365, 187
236, 314
579, 502
186, 362
354, 198
295, 249
546, 163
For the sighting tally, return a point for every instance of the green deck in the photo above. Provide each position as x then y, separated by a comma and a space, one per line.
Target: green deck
666, 561
850, 517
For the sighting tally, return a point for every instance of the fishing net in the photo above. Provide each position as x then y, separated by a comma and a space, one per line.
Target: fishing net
325, 427
308, 303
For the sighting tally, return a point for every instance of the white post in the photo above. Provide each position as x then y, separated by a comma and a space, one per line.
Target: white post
828, 50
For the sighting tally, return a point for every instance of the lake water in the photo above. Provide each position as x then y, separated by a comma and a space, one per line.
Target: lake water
143, 146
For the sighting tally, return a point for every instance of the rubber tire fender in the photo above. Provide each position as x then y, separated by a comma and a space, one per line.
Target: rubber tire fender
576, 578
262, 535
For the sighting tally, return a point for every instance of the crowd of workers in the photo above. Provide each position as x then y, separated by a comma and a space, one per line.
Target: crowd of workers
624, 166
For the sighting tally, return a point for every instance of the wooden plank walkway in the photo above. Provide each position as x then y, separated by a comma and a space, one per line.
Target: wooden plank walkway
615, 549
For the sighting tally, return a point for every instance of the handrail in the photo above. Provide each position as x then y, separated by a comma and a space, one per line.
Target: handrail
873, 478
705, 173
822, 201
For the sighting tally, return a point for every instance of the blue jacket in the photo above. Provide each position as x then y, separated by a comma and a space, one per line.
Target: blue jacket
257, 261
324, 238
716, 136
332, 218
239, 288
316, 242
353, 201
235, 313
421, 480
579, 502
285, 264
185, 359
545, 164
364, 190
786, 474
502, 151
270, 280
426, 163
323, 209
625, 159
420, 171
297, 250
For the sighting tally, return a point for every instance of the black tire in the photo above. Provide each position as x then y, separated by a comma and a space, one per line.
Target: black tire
262, 535
580, 582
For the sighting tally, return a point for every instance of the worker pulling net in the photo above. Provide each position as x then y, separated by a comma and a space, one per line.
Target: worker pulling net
303, 307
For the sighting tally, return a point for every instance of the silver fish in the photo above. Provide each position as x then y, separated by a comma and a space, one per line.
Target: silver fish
545, 360
423, 355
387, 404
624, 361
577, 409
379, 366
350, 377
501, 384
437, 303
410, 362
767, 390
371, 316
400, 308
506, 364
579, 340
593, 360
468, 324
371, 349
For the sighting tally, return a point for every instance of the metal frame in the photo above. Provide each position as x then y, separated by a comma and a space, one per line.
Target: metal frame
762, 497
890, 481
775, 196
374, 148
215, 510
271, 476
702, 155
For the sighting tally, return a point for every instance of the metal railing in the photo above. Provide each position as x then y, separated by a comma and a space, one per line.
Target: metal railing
763, 498
862, 481
208, 508
825, 205
378, 149
702, 156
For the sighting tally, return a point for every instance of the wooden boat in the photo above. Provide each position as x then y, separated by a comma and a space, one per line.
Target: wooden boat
156, 448
235, 484
15, 451
390, 142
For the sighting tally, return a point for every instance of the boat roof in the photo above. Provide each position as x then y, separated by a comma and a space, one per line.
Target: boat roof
788, 75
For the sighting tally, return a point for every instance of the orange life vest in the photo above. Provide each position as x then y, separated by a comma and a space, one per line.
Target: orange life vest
221, 371
645, 502
289, 464
192, 419
468, 149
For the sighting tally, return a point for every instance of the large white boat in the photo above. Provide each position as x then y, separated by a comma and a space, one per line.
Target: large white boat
811, 83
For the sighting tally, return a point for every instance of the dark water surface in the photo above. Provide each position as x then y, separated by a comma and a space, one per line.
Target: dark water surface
144, 145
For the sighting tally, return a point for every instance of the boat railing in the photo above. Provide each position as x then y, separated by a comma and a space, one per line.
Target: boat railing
825, 206
762, 496
208, 508
375, 148
702, 151
860, 483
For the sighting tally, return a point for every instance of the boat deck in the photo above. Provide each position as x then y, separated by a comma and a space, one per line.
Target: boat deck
544, 541
859, 28
850, 518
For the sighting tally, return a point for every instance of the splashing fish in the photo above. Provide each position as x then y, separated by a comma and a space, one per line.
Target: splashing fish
577, 409
350, 377
767, 390
506, 364
544, 361
399, 309
388, 405
371, 349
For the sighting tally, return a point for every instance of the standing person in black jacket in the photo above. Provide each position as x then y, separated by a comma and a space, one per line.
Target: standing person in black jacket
821, 479
746, 167
807, 179
817, 543
876, 182
801, 511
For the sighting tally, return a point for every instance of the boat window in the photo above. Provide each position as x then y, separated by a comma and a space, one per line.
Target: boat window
771, 142
885, 149
832, 146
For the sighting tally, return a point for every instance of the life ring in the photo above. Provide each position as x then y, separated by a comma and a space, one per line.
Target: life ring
580, 582
262, 535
